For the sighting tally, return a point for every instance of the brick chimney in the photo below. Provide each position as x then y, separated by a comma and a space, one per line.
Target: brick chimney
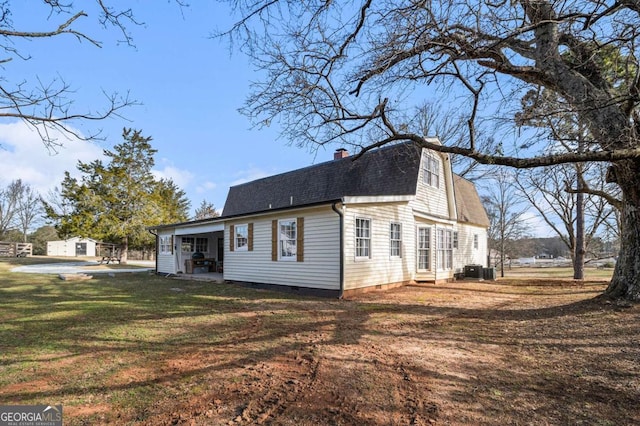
340, 153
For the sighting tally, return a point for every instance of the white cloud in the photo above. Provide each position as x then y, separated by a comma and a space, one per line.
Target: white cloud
181, 177
206, 187
24, 156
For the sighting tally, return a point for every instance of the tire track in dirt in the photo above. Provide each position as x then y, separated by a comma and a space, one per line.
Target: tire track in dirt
282, 394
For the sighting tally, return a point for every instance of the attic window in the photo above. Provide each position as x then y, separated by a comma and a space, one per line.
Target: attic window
431, 171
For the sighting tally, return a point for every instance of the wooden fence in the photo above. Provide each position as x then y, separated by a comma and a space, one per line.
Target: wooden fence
8, 249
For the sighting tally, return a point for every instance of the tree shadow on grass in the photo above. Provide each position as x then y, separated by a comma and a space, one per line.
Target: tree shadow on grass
151, 322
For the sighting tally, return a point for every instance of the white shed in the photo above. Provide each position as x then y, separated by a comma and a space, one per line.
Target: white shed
73, 247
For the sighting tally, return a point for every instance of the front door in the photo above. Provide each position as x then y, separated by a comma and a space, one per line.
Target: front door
81, 249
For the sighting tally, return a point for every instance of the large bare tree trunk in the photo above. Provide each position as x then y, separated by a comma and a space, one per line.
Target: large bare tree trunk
625, 283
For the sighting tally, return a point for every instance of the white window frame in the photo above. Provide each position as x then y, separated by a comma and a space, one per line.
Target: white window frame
362, 246
475, 241
444, 249
244, 237
456, 241
165, 244
431, 171
284, 239
423, 248
395, 240
187, 244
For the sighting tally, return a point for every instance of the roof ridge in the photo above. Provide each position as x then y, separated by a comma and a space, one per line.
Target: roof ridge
351, 157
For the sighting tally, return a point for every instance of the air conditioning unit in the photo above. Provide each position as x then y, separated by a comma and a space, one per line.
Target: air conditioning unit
473, 271
489, 274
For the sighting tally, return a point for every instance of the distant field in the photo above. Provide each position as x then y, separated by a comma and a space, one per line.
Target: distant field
555, 272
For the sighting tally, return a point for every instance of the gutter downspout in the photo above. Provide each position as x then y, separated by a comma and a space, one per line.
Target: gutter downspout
156, 250
339, 213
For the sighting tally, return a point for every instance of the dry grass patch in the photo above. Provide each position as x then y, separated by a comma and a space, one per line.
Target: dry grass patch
130, 350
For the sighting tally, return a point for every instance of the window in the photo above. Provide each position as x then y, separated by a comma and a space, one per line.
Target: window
287, 239
424, 248
431, 171
444, 249
241, 237
395, 240
188, 244
202, 245
363, 237
455, 239
191, 244
475, 241
166, 243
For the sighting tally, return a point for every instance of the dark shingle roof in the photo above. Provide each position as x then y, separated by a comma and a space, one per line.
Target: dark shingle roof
468, 204
391, 170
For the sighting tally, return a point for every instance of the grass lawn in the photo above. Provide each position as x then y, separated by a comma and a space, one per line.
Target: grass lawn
135, 348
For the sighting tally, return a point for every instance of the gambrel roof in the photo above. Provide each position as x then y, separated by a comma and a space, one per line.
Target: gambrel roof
392, 170
468, 203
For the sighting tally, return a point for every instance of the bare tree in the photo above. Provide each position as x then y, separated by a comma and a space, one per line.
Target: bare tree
47, 104
506, 213
431, 119
9, 197
574, 217
339, 72
29, 209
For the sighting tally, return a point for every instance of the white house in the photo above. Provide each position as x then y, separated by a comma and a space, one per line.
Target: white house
72, 247
394, 215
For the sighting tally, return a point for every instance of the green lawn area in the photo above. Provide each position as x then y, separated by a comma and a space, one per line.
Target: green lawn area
84, 342
590, 273
136, 348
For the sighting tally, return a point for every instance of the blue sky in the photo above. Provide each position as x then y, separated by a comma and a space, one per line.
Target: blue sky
190, 86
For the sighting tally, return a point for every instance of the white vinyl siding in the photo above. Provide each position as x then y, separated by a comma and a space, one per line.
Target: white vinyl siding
430, 199
466, 254
379, 268
321, 266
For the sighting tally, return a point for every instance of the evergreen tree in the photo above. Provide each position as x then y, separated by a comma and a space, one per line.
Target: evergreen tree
206, 210
117, 201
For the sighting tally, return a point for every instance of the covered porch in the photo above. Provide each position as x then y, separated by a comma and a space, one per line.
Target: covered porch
199, 251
